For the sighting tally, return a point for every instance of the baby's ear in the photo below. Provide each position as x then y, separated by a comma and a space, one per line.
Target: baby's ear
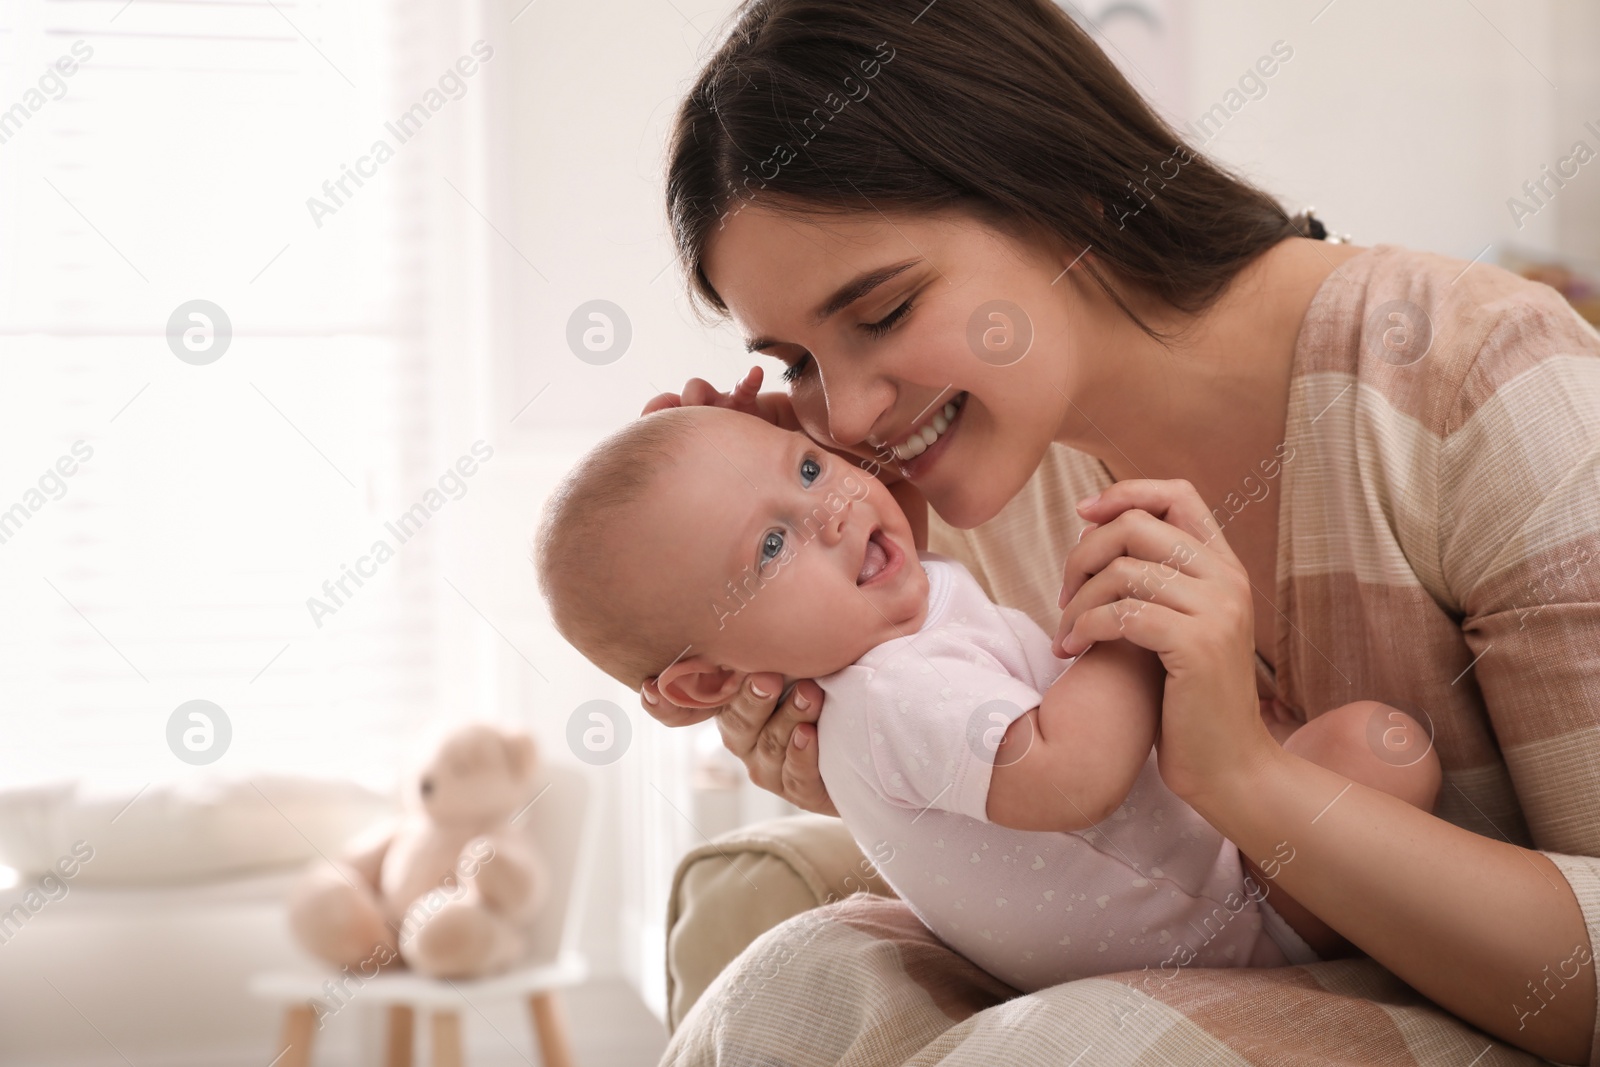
698, 682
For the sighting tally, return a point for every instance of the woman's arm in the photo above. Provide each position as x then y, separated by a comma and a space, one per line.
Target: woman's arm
1474, 924
1467, 921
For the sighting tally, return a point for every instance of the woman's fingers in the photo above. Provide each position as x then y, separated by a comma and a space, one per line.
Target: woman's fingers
1139, 534
744, 719
1174, 501
1153, 626
697, 393
764, 738
802, 779
661, 401
1127, 586
784, 759
775, 741
667, 713
743, 397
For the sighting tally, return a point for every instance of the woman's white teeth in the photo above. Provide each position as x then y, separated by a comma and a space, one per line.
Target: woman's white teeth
923, 439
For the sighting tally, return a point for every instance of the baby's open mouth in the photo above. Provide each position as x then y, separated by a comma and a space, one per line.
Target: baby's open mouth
877, 558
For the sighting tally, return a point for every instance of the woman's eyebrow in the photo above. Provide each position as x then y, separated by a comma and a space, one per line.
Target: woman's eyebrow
846, 295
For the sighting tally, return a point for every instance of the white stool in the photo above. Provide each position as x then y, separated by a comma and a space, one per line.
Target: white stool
560, 824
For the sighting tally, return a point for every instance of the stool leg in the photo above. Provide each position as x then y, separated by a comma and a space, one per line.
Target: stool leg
446, 1039
401, 1035
294, 1042
550, 1029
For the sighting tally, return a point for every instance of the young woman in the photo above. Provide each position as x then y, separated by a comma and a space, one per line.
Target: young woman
1330, 472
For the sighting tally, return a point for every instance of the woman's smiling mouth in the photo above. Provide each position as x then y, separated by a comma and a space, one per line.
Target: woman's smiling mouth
924, 437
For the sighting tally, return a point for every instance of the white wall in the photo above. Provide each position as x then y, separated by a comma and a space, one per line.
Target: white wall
1412, 123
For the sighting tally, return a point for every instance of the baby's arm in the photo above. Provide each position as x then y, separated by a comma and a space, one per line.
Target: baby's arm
1070, 762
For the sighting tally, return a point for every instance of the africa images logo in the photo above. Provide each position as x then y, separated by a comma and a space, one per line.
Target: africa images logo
452, 85
451, 485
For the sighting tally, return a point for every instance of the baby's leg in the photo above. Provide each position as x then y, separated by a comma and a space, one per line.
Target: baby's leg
1376, 746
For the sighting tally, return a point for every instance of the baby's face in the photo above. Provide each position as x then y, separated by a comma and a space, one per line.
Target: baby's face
773, 554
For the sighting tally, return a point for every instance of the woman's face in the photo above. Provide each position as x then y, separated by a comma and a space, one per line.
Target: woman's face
884, 322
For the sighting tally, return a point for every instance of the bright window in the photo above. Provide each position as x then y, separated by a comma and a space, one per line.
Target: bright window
158, 153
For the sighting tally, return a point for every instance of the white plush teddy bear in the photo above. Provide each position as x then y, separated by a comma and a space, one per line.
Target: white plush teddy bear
451, 887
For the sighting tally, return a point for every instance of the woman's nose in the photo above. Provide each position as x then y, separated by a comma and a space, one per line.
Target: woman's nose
854, 405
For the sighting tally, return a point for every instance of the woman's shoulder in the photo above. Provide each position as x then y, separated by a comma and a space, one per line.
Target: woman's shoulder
1456, 394
1434, 335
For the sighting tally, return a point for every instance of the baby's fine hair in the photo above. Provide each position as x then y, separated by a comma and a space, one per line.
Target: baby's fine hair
574, 547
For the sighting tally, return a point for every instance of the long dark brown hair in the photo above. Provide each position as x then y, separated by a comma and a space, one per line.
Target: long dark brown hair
1006, 108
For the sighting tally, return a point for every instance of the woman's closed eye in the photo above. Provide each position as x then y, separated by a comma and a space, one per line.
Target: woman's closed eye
887, 323
794, 371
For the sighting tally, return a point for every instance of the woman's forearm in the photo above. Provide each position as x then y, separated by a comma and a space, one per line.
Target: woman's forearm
1490, 931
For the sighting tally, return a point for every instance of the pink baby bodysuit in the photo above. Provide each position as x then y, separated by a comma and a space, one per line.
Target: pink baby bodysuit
906, 747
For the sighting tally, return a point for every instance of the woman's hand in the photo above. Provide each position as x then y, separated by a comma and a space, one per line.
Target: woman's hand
777, 742
1157, 571
746, 397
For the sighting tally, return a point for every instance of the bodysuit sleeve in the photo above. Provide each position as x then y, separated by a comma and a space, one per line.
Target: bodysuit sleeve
933, 718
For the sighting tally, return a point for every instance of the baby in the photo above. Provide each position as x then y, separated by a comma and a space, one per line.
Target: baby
1012, 802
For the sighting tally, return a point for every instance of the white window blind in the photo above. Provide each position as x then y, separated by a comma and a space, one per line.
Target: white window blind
175, 562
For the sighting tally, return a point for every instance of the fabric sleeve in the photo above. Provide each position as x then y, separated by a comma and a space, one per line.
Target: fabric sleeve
934, 721
1519, 550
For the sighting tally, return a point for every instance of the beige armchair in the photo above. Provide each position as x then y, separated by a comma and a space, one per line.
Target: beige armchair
758, 972
730, 891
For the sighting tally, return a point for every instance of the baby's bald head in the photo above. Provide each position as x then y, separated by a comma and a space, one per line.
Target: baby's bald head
589, 519
703, 544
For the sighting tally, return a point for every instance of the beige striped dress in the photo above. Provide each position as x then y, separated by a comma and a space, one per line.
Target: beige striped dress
1438, 537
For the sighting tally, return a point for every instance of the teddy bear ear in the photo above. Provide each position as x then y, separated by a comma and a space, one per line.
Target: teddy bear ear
521, 754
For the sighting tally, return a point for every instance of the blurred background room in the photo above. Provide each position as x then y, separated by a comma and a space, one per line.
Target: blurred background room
285, 281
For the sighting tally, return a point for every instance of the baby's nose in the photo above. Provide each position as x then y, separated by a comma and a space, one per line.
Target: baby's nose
833, 529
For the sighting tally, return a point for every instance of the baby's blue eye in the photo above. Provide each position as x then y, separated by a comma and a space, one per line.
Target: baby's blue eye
771, 546
810, 470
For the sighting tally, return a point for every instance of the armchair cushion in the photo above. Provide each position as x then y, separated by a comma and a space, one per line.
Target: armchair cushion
731, 890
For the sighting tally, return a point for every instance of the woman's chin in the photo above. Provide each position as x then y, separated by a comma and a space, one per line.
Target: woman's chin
980, 471
965, 505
